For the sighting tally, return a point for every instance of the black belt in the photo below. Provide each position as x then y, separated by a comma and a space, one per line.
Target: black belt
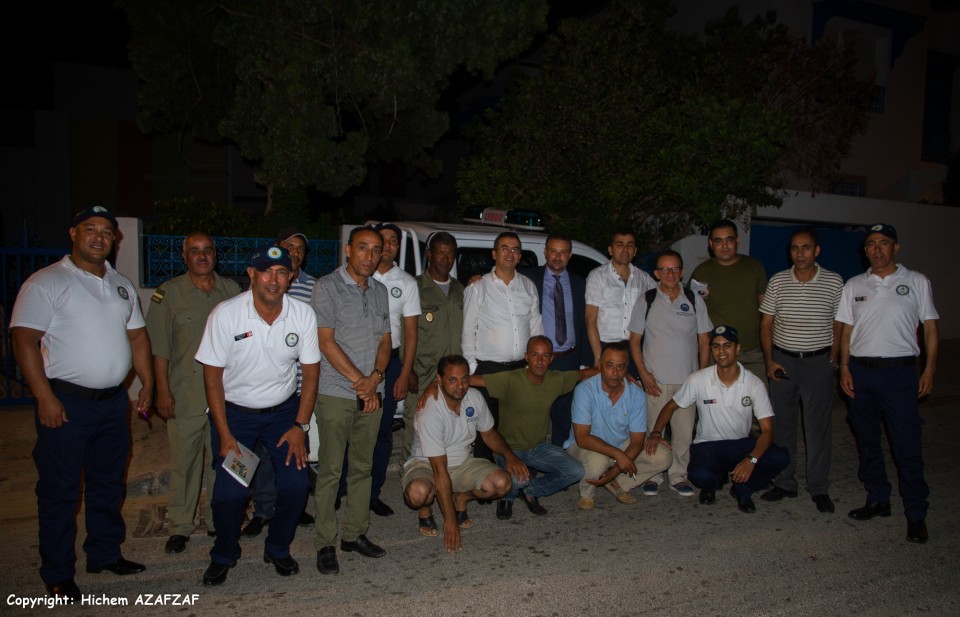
803, 354
88, 394
560, 354
243, 409
873, 362
505, 366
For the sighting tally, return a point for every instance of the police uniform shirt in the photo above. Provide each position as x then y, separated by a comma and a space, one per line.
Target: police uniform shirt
403, 297
724, 412
176, 317
438, 431
670, 347
614, 299
884, 312
259, 359
499, 318
84, 319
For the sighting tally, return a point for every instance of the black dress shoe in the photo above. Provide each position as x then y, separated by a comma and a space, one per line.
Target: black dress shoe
379, 508
708, 497
745, 505
363, 546
533, 504
870, 510
306, 520
285, 566
777, 493
216, 574
917, 531
121, 567
176, 544
504, 509
824, 503
327, 560
254, 527
64, 589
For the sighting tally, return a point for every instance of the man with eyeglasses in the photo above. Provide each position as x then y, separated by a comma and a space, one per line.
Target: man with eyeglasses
501, 311
735, 287
612, 290
880, 311
800, 341
674, 328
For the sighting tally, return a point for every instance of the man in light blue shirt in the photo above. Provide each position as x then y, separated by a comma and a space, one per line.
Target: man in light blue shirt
609, 428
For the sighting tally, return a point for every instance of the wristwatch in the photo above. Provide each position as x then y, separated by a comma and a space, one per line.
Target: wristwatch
380, 375
303, 427
753, 459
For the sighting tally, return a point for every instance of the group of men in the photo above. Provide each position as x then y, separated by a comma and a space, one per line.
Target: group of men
520, 385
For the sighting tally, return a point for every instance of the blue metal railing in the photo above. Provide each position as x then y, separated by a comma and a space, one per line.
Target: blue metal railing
163, 257
15, 266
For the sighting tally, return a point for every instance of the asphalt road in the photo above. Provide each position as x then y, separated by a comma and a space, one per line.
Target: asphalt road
666, 555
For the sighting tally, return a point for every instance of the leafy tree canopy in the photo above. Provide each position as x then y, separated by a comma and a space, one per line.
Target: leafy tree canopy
317, 89
629, 124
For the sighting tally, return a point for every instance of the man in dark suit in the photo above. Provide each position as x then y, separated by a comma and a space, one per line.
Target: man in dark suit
562, 304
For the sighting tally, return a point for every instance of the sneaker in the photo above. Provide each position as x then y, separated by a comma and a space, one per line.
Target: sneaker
650, 488
684, 489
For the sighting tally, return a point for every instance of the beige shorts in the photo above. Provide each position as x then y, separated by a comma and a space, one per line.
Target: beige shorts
466, 477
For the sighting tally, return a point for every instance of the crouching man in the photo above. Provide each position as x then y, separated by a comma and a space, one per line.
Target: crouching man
441, 466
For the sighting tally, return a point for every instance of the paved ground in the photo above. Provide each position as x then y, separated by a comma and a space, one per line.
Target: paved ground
667, 555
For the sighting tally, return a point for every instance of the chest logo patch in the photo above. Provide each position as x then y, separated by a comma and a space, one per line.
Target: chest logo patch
470, 411
902, 290
240, 337
292, 339
396, 292
709, 401
126, 296
684, 307
745, 401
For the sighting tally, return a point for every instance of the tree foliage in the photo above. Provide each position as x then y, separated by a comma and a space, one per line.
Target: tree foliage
316, 89
630, 124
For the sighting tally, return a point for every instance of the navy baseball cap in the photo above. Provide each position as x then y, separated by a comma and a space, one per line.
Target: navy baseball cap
883, 229
92, 211
288, 232
391, 227
728, 332
270, 256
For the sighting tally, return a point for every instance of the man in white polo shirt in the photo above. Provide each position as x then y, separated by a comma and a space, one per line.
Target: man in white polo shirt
76, 329
249, 353
403, 295
612, 290
880, 311
728, 397
440, 466
800, 342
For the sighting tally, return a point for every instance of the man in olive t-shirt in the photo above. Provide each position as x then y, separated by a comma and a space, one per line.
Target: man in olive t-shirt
735, 287
526, 396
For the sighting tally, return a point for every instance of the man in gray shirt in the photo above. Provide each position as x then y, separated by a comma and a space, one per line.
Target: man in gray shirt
353, 326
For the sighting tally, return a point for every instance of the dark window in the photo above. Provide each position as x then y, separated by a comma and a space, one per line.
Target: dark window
581, 265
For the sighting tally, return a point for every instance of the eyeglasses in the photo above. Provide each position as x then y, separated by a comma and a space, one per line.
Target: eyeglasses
665, 270
510, 249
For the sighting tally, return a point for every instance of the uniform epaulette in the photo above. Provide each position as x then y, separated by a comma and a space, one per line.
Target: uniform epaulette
158, 296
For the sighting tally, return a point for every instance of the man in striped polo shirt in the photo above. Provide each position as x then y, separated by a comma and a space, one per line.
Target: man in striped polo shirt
800, 342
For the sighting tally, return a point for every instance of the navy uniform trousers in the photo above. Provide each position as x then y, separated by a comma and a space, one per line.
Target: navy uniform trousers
94, 444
